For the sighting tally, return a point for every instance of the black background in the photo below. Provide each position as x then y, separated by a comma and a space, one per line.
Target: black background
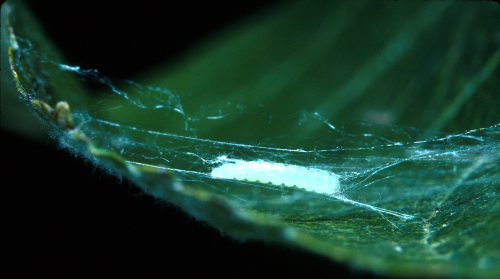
63, 216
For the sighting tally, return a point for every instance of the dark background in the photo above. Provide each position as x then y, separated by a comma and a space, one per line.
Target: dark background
63, 216
121, 40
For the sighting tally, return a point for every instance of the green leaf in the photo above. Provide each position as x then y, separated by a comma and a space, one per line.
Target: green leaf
303, 84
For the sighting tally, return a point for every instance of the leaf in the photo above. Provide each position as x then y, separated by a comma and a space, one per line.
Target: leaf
258, 79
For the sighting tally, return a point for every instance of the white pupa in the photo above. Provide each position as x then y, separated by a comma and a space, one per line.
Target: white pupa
310, 179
